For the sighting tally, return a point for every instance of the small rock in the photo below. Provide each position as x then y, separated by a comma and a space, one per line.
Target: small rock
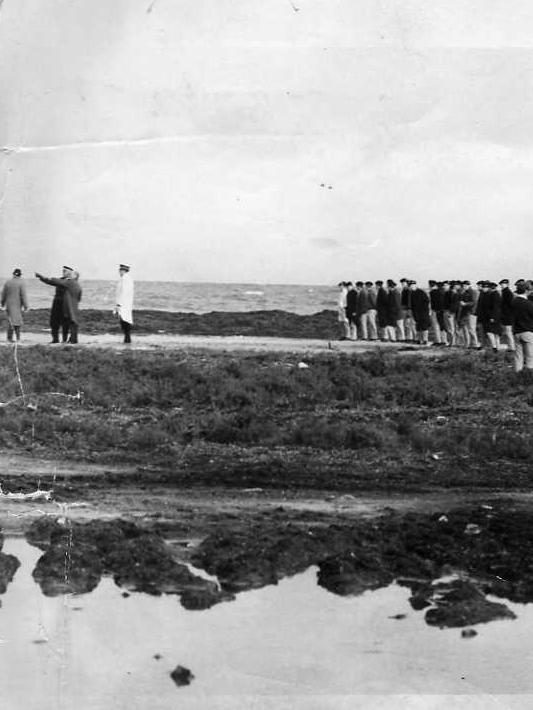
158, 656
468, 633
472, 529
398, 616
303, 366
181, 676
443, 519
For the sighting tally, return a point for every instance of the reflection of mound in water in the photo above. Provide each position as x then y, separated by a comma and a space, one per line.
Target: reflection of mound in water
415, 550
77, 555
460, 602
9, 564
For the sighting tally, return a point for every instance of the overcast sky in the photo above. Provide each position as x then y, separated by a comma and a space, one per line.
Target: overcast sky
273, 141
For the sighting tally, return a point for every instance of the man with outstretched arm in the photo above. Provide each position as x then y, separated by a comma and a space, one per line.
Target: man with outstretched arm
67, 298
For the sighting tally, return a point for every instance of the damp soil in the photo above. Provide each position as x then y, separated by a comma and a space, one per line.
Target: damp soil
486, 549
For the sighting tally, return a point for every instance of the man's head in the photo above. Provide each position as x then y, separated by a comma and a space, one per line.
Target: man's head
67, 272
504, 283
124, 269
368, 284
412, 285
17, 273
446, 285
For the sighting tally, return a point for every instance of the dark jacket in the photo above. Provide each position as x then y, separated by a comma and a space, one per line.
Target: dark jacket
69, 293
468, 300
420, 308
351, 304
436, 299
451, 301
394, 310
406, 298
491, 312
382, 304
522, 314
363, 302
507, 306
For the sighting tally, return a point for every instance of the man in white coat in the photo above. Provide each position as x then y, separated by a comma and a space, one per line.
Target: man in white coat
124, 301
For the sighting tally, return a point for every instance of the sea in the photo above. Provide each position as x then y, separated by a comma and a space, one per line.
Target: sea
198, 297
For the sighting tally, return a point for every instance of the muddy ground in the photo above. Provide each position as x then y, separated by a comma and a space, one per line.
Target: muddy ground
462, 555
251, 468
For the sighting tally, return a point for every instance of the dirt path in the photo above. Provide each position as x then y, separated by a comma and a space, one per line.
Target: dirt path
82, 491
230, 343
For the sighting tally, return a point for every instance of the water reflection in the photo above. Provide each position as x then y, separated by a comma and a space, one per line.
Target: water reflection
294, 640
77, 556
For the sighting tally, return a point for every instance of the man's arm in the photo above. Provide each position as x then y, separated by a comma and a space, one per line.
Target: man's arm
50, 281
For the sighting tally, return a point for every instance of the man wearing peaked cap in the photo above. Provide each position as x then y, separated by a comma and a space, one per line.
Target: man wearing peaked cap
372, 322
507, 314
15, 301
65, 306
436, 313
394, 312
468, 315
56, 311
420, 306
523, 326
124, 301
382, 307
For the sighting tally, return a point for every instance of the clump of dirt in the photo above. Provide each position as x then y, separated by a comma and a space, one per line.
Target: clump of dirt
77, 555
181, 676
460, 602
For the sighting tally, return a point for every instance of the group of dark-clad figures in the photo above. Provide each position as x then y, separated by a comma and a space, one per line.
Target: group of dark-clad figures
445, 314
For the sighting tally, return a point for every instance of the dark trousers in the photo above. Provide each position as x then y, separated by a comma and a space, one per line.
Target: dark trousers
56, 322
70, 327
126, 329
13, 329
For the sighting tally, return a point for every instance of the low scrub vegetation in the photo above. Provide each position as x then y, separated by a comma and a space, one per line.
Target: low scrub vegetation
148, 406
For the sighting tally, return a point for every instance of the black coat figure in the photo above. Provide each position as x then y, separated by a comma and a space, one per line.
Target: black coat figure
420, 309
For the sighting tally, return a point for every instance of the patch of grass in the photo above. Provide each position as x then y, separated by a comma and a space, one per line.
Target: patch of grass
141, 406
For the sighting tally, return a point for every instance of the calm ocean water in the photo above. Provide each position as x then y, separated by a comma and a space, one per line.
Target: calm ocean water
198, 297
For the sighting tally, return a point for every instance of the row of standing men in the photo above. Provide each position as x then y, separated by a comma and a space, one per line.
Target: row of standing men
447, 313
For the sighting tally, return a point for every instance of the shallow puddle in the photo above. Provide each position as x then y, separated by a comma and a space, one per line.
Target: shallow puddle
292, 645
